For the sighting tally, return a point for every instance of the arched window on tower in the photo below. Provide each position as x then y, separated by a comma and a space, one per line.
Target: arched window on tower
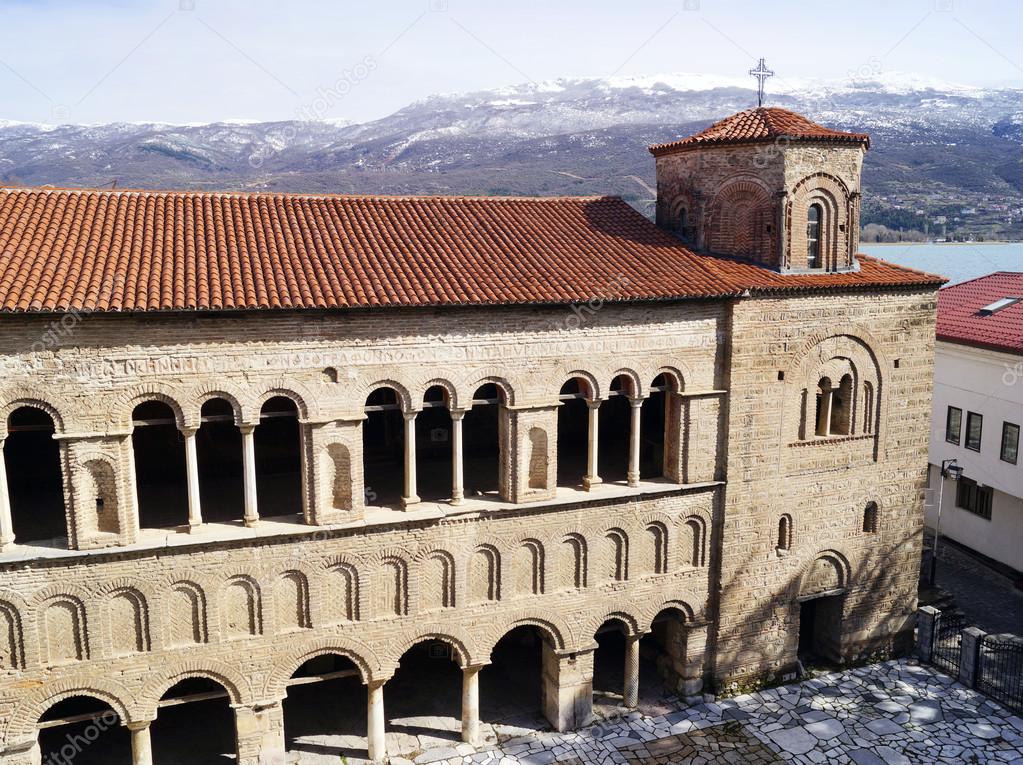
784, 534
814, 216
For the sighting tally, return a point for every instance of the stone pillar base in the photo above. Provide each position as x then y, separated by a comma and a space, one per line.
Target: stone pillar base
260, 731
567, 688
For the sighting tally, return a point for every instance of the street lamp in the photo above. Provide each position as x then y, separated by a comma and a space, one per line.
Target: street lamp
949, 469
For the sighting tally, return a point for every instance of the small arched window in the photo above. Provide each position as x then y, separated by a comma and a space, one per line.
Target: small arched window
784, 534
813, 236
870, 518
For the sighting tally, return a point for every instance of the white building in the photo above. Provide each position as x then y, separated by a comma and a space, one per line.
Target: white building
978, 411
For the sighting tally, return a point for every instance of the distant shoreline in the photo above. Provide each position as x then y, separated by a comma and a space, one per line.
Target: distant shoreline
939, 244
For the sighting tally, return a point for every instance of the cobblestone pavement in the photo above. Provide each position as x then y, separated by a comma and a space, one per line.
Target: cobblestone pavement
895, 713
987, 598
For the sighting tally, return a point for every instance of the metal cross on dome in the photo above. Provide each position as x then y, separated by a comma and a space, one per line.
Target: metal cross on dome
761, 73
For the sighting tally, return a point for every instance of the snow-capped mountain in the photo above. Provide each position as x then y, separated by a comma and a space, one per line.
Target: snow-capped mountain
936, 145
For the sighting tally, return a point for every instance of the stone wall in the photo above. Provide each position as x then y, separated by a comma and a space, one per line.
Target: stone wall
780, 346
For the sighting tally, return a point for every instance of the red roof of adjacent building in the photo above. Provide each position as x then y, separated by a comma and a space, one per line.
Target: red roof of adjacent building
961, 318
90, 250
761, 125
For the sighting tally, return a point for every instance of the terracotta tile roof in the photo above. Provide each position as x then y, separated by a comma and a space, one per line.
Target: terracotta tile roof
89, 250
762, 125
960, 319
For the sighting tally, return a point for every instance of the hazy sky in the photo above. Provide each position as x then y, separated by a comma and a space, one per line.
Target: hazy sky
206, 60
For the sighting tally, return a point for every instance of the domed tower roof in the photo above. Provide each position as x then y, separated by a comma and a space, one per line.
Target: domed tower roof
762, 125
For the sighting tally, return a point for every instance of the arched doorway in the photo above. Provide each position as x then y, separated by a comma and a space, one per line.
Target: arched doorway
668, 665
383, 448
194, 724
511, 686
278, 443
34, 479
482, 446
573, 431
433, 445
325, 709
159, 454
83, 730
219, 450
423, 700
615, 428
609, 666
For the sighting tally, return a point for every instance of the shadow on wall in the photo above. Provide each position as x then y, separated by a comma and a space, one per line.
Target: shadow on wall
870, 613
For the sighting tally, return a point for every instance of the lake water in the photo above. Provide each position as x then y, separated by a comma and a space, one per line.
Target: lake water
959, 262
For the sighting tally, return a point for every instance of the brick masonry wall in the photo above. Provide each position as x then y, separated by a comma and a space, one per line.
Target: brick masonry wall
823, 484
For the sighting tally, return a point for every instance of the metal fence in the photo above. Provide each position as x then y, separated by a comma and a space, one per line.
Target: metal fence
1000, 670
948, 641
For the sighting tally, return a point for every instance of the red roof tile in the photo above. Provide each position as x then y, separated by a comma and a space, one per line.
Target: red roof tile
762, 125
89, 250
960, 320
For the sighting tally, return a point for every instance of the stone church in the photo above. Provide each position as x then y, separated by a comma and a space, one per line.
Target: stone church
258, 443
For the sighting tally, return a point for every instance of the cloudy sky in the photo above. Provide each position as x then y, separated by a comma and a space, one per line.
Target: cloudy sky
206, 60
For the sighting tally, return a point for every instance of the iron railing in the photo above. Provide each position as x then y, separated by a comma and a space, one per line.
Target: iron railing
947, 643
1000, 669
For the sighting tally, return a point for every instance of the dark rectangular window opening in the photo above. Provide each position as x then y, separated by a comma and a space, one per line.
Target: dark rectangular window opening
974, 498
953, 425
1010, 443
974, 429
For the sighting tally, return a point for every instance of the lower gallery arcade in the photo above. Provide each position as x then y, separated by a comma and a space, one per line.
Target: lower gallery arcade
433, 699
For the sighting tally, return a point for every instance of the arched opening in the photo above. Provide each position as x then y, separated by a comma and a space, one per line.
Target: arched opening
158, 449
654, 426
219, 450
870, 518
615, 429
842, 407
201, 707
278, 442
814, 223
868, 408
34, 479
325, 709
784, 542
511, 686
83, 730
573, 431
383, 448
668, 664
483, 431
609, 667
433, 445
825, 393
424, 698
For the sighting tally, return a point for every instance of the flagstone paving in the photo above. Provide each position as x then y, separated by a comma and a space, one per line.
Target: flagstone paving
895, 713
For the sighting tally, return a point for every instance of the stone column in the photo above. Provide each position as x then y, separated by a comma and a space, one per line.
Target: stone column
567, 687
409, 495
824, 416
634, 433
927, 620
630, 693
141, 743
969, 656
457, 468
375, 733
471, 705
259, 728
192, 471
249, 463
592, 477
6, 519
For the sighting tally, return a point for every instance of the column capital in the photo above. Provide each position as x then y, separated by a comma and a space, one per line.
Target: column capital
137, 725
636, 401
411, 414
457, 414
594, 403
247, 428
188, 430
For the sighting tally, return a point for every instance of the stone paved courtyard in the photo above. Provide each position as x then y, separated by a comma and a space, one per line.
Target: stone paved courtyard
895, 713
